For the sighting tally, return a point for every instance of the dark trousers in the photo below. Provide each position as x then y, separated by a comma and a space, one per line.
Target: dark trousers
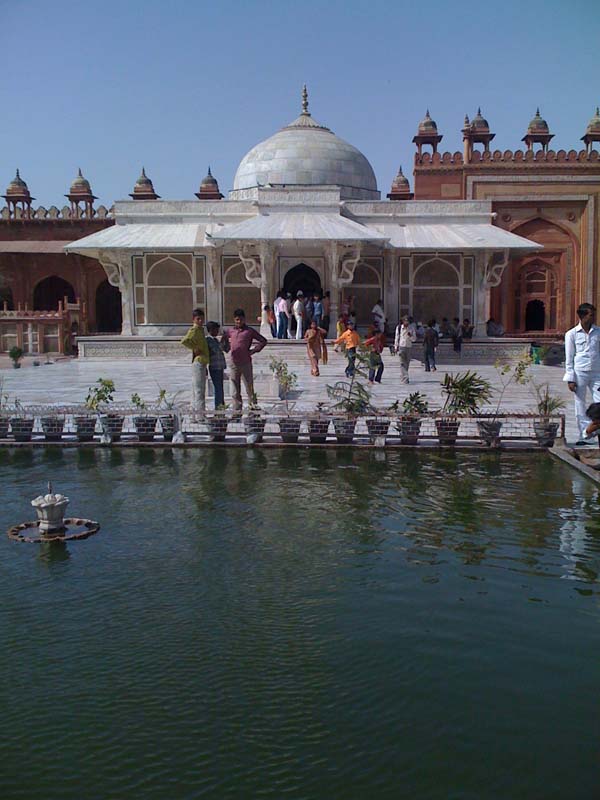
351, 355
216, 376
429, 358
375, 373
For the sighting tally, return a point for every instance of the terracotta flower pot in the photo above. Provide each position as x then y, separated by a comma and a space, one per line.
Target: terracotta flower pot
447, 430
289, 429
489, 430
378, 427
545, 432
409, 429
167, 423
344, 429
217, 426
317, 430
145, 427
85, 426
112, 425
254, 425
22, 428
53, 428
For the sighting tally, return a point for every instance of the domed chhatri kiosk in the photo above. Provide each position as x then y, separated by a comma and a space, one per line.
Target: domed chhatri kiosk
304, 212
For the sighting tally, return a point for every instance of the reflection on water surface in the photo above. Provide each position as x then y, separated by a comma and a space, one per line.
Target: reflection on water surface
306, 623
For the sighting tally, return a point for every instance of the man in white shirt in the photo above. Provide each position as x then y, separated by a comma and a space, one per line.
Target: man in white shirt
582, 364
282, 315
405, 336
299, 312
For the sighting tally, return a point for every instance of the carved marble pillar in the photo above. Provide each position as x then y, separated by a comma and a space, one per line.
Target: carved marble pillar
490, 265
118, 268
268, 290
390, 284
213, 283
331, 251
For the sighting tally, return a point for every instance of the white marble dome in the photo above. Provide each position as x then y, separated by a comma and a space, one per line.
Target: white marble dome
306, 153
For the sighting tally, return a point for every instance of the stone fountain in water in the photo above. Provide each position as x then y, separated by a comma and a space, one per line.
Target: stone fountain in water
51, 524
50, 510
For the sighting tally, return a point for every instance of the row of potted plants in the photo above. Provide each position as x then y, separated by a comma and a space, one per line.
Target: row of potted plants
98, 409
464, 396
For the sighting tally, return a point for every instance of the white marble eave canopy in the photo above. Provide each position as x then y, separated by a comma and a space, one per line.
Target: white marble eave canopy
299, 226
313, 215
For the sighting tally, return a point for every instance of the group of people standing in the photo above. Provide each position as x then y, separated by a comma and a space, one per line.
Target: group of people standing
291, 318
208, 355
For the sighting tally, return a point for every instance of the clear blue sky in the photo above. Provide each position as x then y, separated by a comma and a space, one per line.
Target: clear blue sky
178, 85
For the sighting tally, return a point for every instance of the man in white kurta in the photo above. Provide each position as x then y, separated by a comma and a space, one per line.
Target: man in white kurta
582, 364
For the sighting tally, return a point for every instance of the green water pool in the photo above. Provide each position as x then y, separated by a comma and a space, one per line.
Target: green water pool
302, 624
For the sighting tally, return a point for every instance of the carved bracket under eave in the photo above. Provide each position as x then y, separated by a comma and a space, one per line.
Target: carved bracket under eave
347, 265
252, 265
113, 273
494, 265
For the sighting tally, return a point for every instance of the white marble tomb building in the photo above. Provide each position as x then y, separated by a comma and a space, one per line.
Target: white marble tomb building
304, 213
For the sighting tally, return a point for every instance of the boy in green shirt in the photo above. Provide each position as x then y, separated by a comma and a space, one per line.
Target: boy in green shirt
195, 341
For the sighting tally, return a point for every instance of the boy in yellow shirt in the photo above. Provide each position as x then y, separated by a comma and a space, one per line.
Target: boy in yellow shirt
195, 340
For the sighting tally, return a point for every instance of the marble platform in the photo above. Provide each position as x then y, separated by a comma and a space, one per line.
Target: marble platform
67, 381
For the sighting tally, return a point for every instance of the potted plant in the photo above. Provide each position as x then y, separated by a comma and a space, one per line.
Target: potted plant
352, 398
169, 421
289, 427
21, 422
318, 424
378, 426
490, 427
98, 399
85, 420
15, 354
218, 422
465, 393
547, 405
53, 426
145, 424
254, 421
414, 407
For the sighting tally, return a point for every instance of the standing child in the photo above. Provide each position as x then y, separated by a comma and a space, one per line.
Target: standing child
195, 341
430, 342
216, 367
340, 327
376, 345
315, 346
351, 340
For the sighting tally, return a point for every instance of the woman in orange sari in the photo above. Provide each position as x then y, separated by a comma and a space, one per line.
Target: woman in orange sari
316, 347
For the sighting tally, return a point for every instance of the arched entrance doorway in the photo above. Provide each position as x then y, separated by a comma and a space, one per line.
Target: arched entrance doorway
302, 278
535, 315
48, 292
109, 315
536, 297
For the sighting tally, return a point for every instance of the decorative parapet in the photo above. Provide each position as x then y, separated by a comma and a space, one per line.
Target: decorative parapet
28, 314
54, 213
509, 157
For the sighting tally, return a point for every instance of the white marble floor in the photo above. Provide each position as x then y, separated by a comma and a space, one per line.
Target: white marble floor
67, 381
